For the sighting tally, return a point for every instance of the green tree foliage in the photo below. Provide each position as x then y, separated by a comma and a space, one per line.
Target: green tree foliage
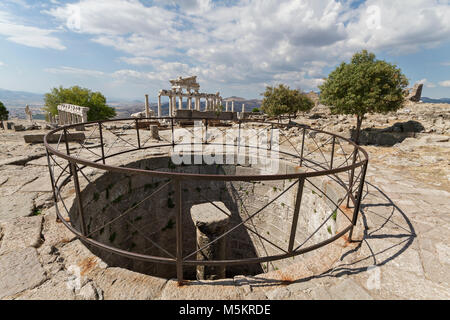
95, 101
282, 100
365, 85
4, 114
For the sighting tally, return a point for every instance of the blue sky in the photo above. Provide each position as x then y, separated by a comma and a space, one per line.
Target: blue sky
127, 48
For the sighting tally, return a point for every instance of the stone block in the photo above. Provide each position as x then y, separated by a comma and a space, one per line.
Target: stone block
185, 114
21, 233
19, 271
54, 138
211, 222
19, 127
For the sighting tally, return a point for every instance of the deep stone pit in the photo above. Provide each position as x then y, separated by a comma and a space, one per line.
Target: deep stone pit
150, 228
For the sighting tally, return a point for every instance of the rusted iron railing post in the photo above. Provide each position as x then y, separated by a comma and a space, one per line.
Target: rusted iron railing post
102, 145
303, 146
206, 131
79, 199
332, 153
52, 178
352, 176
173, 133
179, 229
66, 141
137, 133
298, 201
358, 200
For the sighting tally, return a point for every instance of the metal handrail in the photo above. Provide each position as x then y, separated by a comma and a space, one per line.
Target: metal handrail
76, 165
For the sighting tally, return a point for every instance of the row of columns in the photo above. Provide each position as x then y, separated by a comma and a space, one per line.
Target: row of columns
232, 106
69, 118
211, 103
71, 114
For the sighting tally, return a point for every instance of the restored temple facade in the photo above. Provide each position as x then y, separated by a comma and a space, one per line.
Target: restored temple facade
188, 88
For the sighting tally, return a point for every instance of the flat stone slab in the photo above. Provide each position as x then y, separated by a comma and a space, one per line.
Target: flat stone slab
42, 184
54, 138
120, 284
349, 290
21, 233
19, 271
17, 205
202, 290
55, 289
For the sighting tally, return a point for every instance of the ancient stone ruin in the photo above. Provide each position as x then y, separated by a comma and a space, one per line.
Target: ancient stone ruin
415, 93
29, 114
189, 88
71, 114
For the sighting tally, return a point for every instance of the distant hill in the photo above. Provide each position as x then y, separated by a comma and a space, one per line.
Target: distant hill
16, 101
16, 98
430, 100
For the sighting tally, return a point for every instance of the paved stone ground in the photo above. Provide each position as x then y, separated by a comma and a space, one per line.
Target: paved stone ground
403, 252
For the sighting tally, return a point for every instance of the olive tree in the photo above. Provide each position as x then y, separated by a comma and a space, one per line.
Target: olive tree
282, 100
95, 101
4, 114
365, 85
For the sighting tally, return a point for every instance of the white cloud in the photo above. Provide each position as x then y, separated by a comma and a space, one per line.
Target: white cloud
426, 83
253, 42
447, 64
28, 35
138, 61
445, 84
2, 64
75, 71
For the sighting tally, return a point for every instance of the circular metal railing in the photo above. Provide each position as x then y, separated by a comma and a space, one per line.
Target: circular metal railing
318, 153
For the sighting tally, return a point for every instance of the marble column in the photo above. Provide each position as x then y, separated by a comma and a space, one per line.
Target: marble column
180, 102
170, 106
226, 106
243, 107
147, 108
232, 106
159, 107
174, 105
190, 103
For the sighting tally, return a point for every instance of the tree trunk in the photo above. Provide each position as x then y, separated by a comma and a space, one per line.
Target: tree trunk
359, 120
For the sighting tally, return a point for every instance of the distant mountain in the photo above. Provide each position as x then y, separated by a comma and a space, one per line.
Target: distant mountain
19, 98
430, 100
16, 101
